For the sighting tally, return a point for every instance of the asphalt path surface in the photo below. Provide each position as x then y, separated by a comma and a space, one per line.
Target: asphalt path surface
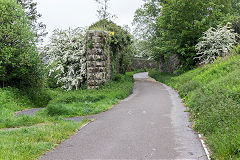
30, 112
150, 124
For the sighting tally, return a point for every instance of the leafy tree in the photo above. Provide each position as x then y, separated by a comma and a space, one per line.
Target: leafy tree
145, 22
30, 9
183, 22
66, 57
19, 60
180, 26
180, 23
145, 19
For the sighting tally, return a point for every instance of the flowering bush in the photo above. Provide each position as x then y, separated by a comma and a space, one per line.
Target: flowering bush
66, 57
215, 43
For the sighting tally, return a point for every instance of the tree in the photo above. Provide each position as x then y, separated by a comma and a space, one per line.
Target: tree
30, 9
145, 22
66, 57
145, 19
19, 61
183, 22
179, 24
103, 13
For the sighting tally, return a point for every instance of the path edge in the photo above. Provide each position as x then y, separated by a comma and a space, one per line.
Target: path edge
205, 148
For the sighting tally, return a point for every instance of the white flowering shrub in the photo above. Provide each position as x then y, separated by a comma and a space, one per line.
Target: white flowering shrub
66, 56
215, 43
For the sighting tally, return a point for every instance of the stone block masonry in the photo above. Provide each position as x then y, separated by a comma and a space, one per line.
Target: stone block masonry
97, 58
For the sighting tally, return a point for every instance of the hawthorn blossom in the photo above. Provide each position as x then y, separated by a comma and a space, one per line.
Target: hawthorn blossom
216, 43
66, 53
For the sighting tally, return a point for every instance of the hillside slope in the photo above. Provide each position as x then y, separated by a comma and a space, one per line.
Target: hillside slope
212, 93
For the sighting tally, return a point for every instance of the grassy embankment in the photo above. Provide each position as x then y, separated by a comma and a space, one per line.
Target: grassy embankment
212, 93
28, 137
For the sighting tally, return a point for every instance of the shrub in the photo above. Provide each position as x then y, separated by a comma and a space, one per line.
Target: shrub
66, 57
117, 77
19, 62
38, 96
215, 43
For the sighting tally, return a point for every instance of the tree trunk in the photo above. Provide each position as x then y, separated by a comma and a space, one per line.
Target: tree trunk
162, 64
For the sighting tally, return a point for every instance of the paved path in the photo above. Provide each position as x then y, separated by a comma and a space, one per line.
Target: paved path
30, 112
150, 124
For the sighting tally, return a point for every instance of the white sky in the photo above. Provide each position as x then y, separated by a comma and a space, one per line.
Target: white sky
63, 14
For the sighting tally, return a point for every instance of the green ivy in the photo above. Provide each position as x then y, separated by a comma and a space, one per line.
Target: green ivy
119, 42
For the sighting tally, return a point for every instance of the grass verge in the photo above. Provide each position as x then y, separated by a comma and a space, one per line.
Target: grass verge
212, 93
88, 102
31, 143
31, 136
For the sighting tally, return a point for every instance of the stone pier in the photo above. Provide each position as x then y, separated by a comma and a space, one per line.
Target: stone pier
97, 58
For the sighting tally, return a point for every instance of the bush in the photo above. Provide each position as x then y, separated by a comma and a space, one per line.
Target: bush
13, 99
215, 43
38, 96
66, 58
19, 63
51, 80
117, 77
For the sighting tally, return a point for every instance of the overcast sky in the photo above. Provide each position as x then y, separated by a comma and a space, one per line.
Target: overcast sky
81, 13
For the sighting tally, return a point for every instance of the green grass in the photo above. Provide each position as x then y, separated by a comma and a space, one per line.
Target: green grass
31, 143
31, 136
13, 100
88, 102
212, 93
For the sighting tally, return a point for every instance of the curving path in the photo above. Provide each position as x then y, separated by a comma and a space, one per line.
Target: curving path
150, 124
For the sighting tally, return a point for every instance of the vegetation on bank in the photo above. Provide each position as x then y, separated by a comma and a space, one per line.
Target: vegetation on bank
212, 93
